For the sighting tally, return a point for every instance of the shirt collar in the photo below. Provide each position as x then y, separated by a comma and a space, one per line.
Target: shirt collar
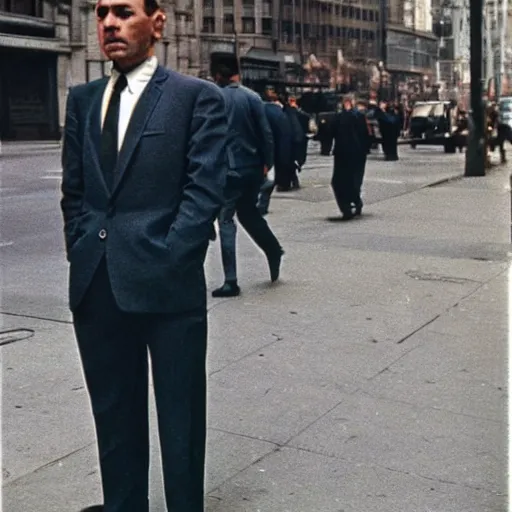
137, 78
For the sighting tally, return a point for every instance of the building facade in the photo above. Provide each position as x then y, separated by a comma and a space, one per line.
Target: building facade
47, 46
33, 38
279, 36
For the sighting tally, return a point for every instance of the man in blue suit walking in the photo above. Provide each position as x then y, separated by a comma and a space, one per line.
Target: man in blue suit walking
249, 152
143, 179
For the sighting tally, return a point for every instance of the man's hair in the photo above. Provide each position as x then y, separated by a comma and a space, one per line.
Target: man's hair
224, 64
151, 6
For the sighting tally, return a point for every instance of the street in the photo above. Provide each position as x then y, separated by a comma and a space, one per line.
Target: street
371, 378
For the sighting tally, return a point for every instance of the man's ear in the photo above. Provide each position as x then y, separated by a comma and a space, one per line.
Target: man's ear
159, 20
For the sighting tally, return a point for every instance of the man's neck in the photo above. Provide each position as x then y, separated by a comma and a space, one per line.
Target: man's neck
125, 69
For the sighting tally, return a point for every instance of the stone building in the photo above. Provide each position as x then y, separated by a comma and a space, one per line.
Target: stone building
46, 46
273, 34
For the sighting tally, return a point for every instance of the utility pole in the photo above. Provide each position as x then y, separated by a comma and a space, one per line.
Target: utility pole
503, 42
383, 21
475, 154
489, 60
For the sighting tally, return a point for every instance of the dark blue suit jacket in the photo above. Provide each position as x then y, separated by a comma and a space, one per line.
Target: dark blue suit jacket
154, 226
282, 134
250, 142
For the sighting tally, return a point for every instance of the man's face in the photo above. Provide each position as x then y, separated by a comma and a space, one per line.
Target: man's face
126, 32
347, 105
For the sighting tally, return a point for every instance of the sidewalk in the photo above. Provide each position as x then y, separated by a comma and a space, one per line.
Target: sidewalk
372, 378
11, 149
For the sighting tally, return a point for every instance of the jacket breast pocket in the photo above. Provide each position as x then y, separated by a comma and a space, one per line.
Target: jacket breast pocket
153, 133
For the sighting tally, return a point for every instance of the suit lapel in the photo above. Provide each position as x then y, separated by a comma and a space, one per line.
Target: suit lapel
140, 117
93, 131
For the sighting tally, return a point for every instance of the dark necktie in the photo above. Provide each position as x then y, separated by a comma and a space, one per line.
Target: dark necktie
109, 134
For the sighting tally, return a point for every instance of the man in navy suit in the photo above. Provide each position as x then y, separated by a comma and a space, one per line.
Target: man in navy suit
249, 151
143, 179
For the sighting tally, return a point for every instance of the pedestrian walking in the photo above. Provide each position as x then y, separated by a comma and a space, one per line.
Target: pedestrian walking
143, 179
283, 149
250, 151
351, 143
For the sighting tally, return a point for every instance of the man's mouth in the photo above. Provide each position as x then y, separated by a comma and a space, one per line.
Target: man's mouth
114, 41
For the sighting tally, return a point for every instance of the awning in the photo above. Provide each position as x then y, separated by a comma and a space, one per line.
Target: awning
270, 56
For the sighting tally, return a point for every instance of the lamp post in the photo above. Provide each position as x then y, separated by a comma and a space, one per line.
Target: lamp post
476, 152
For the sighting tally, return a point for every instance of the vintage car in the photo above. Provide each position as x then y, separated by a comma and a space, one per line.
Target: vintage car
505, 115
433, 123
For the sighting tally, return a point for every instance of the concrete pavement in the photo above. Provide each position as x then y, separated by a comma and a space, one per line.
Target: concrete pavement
371, 378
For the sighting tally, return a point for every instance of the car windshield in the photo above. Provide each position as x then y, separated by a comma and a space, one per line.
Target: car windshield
421, 110
506, 106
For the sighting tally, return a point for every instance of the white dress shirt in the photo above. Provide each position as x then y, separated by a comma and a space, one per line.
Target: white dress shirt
137, 80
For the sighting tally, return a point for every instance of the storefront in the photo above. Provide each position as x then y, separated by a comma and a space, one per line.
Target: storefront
28, 95
28, 73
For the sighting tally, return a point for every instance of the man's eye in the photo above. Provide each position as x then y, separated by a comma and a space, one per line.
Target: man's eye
123, 12
102, 12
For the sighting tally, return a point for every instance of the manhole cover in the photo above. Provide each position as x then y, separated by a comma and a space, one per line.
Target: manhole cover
12, 335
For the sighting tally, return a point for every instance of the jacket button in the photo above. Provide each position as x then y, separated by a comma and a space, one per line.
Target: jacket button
102, 234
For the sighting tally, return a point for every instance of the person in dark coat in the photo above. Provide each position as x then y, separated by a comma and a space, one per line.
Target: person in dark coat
389, 126
298, 138
143, 173
283, 148
308, 127
351, 143
250, 153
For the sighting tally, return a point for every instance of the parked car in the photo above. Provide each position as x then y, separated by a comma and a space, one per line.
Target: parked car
505, 114
433, 123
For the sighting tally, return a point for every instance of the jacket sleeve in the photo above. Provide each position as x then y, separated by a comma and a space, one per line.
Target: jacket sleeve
202, 195
264, 131
72, 172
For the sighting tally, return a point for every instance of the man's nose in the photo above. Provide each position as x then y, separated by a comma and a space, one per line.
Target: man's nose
110, 21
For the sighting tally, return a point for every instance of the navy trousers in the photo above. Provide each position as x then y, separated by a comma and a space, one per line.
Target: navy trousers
114, 348
241, 197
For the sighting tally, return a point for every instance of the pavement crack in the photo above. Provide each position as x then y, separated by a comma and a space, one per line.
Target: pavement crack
35, 317
249, 354
52, 463
428, 322
287, 442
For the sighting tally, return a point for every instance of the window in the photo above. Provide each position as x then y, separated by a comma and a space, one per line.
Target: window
228, 3
208, 25
337, 10
248, 25
376, 16
266, 26
365, 15
351, 13
370, 16
266, 9
229, 26
25, 7
344, 11
358, 13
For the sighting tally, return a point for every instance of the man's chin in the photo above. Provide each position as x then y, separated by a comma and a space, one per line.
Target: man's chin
115, 54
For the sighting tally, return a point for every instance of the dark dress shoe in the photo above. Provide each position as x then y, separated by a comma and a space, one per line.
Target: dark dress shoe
94, 508
345, 217
359, 208
274, 264
227, 290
